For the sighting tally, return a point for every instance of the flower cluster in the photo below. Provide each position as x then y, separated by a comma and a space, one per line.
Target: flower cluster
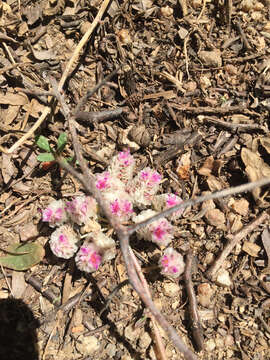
130, 198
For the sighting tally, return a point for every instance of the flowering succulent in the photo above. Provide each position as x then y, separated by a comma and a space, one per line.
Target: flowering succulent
172, 263
63, 242
129, 198
88, 258
55, 213
81, 209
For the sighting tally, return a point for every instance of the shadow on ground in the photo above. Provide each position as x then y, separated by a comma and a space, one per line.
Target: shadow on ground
18, 339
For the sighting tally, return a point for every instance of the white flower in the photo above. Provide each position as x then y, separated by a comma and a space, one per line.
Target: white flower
88, 258
172, 263
55, 213
63, 242
81, 209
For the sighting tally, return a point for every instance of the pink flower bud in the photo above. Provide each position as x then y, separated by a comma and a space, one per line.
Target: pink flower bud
159, 232
81, 209
144, 186
104, 243
166, 201
120, 205
106, 182
172, 263
122, 166
63, 242
88, 258
55, 213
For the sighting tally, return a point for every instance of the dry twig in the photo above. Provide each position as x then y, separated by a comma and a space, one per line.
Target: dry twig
233, 240
193, 308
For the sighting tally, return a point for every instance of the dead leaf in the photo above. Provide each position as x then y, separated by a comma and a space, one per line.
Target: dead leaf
10, 114
183, 168
9, 171
210, 166
251, 248
32, 14
214, 183
266, 243
18, 284
256, 168
216, 218
240, 206
10, 98
35, 108
42, 55
266, 143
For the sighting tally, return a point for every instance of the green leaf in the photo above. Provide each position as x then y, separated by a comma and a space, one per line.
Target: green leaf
43, 143
45, 157
23, 256
61, 142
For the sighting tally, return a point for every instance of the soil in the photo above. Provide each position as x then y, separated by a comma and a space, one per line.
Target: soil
190, 98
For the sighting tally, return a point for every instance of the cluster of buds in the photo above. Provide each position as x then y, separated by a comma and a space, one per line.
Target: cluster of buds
129, 198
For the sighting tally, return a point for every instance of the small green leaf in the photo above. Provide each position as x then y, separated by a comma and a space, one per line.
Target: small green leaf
23, 256
61, 142
45, 157
43, 143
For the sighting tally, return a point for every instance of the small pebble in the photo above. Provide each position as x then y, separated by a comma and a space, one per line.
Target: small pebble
87, 345
211, 58
171, 289
223, 278
145, 341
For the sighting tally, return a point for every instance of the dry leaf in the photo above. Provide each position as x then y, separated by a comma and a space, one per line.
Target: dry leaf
43, 54
183, 169
10, 114
210, 166
18, 284
8, 169
256, 168
240, 206
266, 143
10, 98
266, 243
251, 248
216, 218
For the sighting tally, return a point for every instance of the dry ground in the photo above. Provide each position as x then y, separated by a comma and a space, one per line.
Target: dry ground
193, 91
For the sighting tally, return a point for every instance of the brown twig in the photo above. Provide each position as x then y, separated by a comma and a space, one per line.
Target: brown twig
233, 240
48, 294
243, 35
98, 116
193, 308
232, 126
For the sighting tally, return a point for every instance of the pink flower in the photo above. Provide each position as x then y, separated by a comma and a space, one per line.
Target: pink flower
172, 263
107, 182
104, 243
55, 213
120, 205
81, 209
122, 166
63, 242
88, 258
144, 186
160, 231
